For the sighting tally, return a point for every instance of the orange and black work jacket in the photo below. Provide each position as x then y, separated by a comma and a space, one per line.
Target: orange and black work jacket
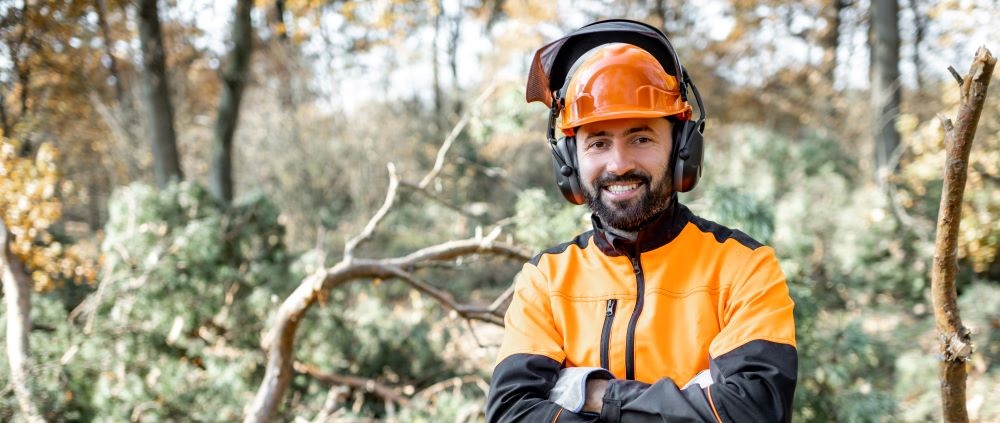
687, 295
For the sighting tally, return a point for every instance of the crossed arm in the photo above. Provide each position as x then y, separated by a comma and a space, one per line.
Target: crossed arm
753, 383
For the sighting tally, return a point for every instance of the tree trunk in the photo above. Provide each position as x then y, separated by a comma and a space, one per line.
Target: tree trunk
4, 121
278, 20
116, 79
234, 79
439, 119
885, 88
17, 295
166, 161
453, 40
830, 39
919, 29
956, 342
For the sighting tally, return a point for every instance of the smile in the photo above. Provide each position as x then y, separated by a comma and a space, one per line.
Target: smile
622, 190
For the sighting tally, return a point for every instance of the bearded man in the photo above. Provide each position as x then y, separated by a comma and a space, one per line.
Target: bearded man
655, 314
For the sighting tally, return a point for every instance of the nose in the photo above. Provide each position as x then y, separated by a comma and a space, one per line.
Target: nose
620, 160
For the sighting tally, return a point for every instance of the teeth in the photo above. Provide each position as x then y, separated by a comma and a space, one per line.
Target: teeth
618, 189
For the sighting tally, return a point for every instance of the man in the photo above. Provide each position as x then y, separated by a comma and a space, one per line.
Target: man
656, 314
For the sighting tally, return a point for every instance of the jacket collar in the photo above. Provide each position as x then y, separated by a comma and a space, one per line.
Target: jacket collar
659, 231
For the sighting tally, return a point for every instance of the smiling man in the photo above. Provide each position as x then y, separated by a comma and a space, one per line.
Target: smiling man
656, 314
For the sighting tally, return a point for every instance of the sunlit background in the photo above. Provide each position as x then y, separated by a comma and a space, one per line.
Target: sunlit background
150, 300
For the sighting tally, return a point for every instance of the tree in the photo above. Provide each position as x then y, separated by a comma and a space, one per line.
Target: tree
234, 79
17, 295
30, 258
160, 112
885, 85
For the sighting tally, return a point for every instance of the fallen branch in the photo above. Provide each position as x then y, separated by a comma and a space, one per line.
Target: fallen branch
956, 342
279, 341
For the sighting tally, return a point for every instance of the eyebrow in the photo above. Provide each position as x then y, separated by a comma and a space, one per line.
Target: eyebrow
627, 132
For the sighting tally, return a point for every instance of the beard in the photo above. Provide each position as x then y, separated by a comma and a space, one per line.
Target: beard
631, 214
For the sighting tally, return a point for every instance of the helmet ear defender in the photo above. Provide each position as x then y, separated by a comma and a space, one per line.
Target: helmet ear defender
564, 160
686, 156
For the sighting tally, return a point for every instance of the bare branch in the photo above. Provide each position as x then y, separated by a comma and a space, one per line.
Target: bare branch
454, 249
499, 305
368, 385
279, 342
430, 195
484, 314
390, 198
455, 131
455, 382
955, 338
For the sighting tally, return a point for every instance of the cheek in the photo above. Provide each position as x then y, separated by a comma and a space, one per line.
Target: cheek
588, 170
655, 165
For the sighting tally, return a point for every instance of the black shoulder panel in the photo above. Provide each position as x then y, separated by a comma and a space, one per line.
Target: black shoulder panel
723, 233
581, 241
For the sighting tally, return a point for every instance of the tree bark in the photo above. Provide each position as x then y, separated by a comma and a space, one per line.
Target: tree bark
439, 118
234, 79
17, 295
4, 121
830, 39
885, 88
956, 342
166, 161
116, 79
278, 20
919, 29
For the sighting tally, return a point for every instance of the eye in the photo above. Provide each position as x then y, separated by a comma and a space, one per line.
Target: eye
597, 144
642, 140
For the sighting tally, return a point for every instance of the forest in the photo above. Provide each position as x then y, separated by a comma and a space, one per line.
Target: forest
313, 210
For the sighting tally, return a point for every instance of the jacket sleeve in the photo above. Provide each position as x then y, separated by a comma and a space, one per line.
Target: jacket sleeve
753, 365
529, 360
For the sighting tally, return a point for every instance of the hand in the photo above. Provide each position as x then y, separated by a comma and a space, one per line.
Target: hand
573, 386
595, 395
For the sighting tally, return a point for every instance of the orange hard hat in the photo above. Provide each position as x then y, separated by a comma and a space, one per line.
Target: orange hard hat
616, 81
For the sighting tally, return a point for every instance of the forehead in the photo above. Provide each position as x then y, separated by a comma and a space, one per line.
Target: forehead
658, 126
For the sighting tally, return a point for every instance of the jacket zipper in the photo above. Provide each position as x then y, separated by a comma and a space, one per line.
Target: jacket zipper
609, 318
640, 282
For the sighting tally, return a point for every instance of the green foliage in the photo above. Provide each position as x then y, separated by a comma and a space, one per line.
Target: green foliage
172, 332
187, 292
543, 221
741, 210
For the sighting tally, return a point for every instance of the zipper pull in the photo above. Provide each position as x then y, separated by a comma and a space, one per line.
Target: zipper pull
611, 307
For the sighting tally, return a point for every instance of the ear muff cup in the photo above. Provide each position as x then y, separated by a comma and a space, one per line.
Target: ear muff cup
687, 154
567, 176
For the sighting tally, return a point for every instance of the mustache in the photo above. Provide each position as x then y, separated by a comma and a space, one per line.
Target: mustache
630, 176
